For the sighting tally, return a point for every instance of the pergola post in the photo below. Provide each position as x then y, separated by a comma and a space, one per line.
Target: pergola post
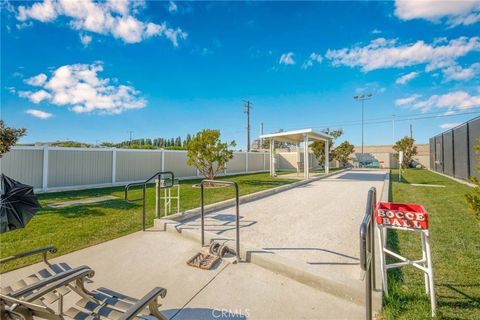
298, 137
272, 157
298, 158
327, 158
306, 165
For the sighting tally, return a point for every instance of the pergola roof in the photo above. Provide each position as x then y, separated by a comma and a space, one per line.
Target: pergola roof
298, 136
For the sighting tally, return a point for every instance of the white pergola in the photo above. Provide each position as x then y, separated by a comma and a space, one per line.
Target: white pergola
297, 137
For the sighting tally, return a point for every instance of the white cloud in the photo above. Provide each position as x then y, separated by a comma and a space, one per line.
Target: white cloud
450, 112
376, 31
456, 100
408, 100
42, 11
370, 87
314, 57
37, 81
464, 12
115, 17
39, 96
456, 72
173, 34
85, 39
172, 7
382, 53
287, 58
406, 77
450, 125
79, 88
12, 90
39, 113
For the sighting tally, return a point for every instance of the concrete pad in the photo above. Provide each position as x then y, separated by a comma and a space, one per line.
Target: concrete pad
136, 263
427, 185
299, 175
80, 202
181, 216
247, 291
316, 224
335, 284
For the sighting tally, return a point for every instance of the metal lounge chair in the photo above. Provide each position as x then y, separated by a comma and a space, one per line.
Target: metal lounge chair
48, 272
29, 301
35, 295
98, 304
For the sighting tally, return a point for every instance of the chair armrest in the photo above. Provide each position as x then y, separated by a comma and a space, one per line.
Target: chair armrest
43, 251
14, 301
27, 290
150, 300
63, 281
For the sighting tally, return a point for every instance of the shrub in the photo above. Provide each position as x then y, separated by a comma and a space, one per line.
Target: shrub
9, 137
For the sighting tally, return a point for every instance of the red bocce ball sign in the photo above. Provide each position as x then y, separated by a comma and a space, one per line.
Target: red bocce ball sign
401, 215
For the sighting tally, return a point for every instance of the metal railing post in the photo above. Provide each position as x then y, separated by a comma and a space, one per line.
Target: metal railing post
157, 175
144, 206
237, 212
237, 204
372, 237
202, 204
158, 197
367, 250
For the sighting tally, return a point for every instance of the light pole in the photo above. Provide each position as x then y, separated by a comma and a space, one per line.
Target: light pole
246, 109
130, 137
362, 98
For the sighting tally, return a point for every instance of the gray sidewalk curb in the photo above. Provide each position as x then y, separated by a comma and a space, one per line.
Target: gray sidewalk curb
248, 197
465, 182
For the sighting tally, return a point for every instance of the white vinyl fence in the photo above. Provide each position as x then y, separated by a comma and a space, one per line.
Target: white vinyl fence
58, 168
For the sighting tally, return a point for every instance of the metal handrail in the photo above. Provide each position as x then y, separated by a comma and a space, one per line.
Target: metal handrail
43, 251
157, 175
237, 206
367, 249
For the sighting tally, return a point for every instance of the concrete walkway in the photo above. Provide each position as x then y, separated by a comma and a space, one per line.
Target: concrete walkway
81, 202
315, 226
316, 223
136, 263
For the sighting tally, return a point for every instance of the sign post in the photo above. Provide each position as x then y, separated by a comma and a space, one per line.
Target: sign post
405, 217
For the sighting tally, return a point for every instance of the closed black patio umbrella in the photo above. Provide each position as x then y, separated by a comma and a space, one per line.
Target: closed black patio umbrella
18, 204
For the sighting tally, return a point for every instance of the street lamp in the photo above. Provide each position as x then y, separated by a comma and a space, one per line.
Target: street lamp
362, 98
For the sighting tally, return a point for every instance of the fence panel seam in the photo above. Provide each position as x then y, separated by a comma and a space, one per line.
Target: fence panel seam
45, 169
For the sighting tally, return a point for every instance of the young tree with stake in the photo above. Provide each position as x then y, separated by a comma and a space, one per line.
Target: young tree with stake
406, 145
208, 153
318, 147
343, 151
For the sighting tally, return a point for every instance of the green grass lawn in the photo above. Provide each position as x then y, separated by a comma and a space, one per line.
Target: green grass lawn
455, 241
77, 227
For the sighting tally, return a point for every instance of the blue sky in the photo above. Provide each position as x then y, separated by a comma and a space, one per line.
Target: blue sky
93, 72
